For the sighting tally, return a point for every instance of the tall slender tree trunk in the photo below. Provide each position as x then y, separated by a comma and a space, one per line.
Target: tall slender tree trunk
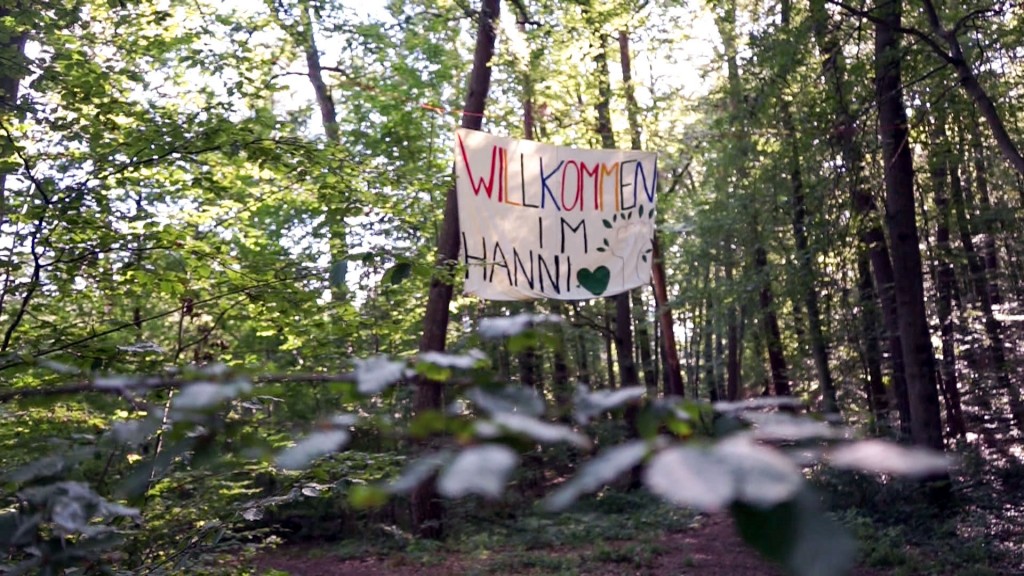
878, 400
898, 165
427, 509
980, 285
726, 23
989, 225
708, 334
663, 311
529, 364
945, 278
871, 235
805, 263
804, 253
732, 344
669, 346
335, 219
609, 341
969, 81
772, 333
628, 374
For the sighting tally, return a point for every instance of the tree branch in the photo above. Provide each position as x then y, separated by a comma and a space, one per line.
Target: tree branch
969, 80
919, 34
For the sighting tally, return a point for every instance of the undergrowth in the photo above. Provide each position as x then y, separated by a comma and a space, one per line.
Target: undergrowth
901, 533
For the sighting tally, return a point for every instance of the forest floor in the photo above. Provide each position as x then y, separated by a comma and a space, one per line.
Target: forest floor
710, 546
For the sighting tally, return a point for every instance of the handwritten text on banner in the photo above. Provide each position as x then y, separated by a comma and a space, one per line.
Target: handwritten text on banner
542, 221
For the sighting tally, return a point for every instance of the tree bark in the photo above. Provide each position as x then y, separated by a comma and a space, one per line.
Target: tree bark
980, 285
804, 253
709, 363
657, 265
427, 509
878, 400
732, 339
945, 278
670, 351
726, 24
772, 333
805, 263
870, 235
925, 419
628, 374
989, 225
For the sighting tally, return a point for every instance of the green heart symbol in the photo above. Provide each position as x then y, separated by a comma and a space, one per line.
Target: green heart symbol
595, 282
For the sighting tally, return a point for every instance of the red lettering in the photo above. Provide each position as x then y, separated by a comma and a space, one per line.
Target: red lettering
477, 185
578, 198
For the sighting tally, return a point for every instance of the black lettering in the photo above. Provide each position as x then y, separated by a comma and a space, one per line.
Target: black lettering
522, 184
503, 263
582, 224
528, 276
545, 270
466, 256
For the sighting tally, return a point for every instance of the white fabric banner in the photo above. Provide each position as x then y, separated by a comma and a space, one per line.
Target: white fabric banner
542, 221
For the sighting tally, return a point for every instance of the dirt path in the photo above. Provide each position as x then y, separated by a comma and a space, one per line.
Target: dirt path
711, 549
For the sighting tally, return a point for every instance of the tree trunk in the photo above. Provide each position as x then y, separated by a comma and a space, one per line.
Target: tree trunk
609, 337
805, 263
989, 225
878, 400
925, 419
427, 509
305, 35
529, 366
709, 363
628, 374
804, 253
726, 23
732, 344
945, 278
670, 350
772, 333
871, 235
980, 286
657, 265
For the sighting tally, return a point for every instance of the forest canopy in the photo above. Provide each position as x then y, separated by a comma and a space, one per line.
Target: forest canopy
231, 301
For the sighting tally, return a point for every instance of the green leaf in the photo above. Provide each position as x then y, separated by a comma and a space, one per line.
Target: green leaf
540, 431
607, 224
418, 472
589, 404
798, 534
597, 472
482, 470
362, 497
691, 477
512, 398
317, 444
